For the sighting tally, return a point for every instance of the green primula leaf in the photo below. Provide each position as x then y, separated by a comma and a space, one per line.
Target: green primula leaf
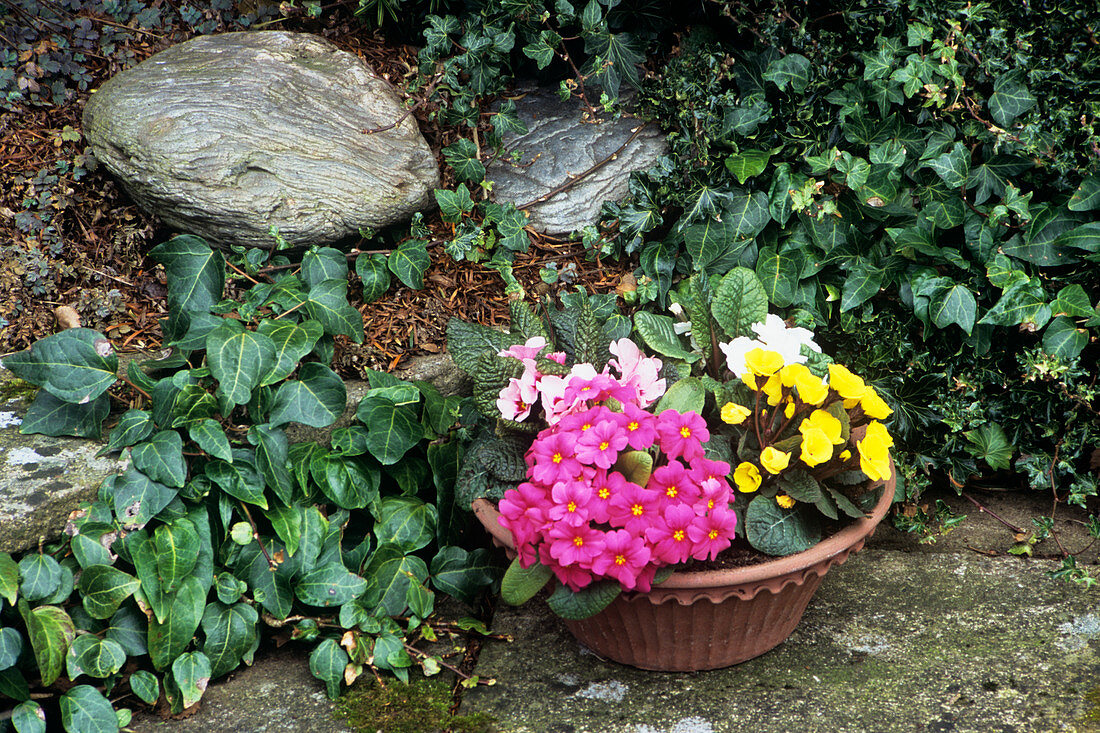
315, 399
773, 530
103, 588
196, 273
209, 435
238, 359
636, 466
409, 262
739, 301
177, 548
1087, 195
792, 70
133, 427
28, 717
51, 416
229, 633
990, 443
76, 365
521, 584
191, 673
323, 263
393, 430
169, 639
686, 395
50, 631
41, 576
329, 585
748, 163
660, 335
586, 602
161, 458
84, 709
327, 663
327, 303
1063, 339
292, 342
9, 578
145, 685
406, 522
97, 657
388, 574
461, 573
372, 271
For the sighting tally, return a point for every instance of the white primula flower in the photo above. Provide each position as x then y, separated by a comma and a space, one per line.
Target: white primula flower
735, 353
773, 336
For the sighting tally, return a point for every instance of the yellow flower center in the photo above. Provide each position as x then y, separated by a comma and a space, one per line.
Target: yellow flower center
620, 560
672, 491
678, 535
633, 425
637, 510
604, 445
713, 534
571, 506
685, 432
586, 426
605, 492
557, 458
578, 541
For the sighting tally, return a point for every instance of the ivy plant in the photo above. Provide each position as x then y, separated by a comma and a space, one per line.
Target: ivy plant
221, 527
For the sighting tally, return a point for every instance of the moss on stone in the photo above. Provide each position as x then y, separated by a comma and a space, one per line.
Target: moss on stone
421, 706
16, 388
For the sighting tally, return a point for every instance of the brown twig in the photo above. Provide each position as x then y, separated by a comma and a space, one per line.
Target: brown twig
419, 103
271, 564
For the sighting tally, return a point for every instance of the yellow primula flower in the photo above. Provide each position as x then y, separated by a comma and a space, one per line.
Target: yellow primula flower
773, 388
791, 373
874, 452
784, 501
811, 389
747, 477
774, 460
788, 411
816, 446
874, 406
763, 362
825, 422
845, 455
734, 414
846, 384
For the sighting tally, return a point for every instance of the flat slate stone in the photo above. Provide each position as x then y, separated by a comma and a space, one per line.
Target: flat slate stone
227, 136
893, 641
43, 479
559, 146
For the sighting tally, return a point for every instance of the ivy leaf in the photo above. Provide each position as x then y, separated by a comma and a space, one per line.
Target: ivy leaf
778, 273
99, 658
103, 588
210, 437
374, 275
195, 273
292, 342
327, 303
541, 51
409, 262
660, 335
406, 522
144, 684
462, 574
51, 631
1022, 303
773, 530
76, 365
748, 213
229, 633
323, 263
191, 673
177, 551
1087, 195
84, 709
28, 717
992, 177
329, 585
747, 164
953, 303
521, 584
1063, 339
315, 399
739, 301
1010, 98
238, 359
708, 241
952, 167
792, 70
1084, 237
990, 443
161, 458
9, 578
462, 156
586, 602
11, 646
453, 204
506, 120
41, 576
862, 283
129, 628
169, 639
48, 415
239, 480
136, 498
327, 663
133, 427
388, 574
393, 430
271, 460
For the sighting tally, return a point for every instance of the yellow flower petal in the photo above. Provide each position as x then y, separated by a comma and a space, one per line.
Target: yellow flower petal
874, 406
734, 414
774, 460
763, 362
784, 501
747, 477
812, 389
791, 373
826, 423
816, 447
846, 384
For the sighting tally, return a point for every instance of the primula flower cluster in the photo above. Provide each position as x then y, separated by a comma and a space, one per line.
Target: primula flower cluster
580, 515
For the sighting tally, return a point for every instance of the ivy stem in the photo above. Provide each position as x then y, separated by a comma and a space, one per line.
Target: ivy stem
424, 655
135, 387
289, 310
988, 511
241, 272
271, 564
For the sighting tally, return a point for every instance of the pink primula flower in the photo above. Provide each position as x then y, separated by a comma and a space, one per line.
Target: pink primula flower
640, 427
517, 399
669, 538
682, 434
623, 558
634, 508
575, 544
712, 533
674, 484
606, 485
555, 459
570, 502
574, 576
600, 446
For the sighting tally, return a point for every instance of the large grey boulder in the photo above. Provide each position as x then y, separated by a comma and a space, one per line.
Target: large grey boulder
565, 166
227, 136
42, 479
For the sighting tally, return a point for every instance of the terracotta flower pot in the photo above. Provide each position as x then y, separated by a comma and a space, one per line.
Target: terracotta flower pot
714, 618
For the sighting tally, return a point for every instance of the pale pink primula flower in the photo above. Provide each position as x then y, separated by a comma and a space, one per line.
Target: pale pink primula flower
529, 350
519, 396
638, 370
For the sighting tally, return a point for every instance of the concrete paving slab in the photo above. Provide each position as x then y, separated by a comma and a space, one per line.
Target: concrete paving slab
893, 641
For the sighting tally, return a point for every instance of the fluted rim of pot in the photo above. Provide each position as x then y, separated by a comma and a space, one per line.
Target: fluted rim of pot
835, 547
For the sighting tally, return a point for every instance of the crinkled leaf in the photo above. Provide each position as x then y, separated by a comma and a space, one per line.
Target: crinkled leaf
686, 395
774, 530
586, 602
520, 584
739, 301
